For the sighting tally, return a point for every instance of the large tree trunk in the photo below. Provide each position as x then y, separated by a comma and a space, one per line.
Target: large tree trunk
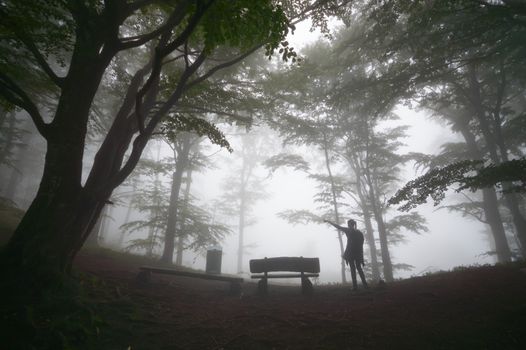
63, 212
50, 234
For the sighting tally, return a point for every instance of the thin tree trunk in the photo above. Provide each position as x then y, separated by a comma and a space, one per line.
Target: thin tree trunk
245, 176
127, 216
369, 235
384, 244
182, 232
241, 223
171, 227
106, 216
369, 232
378, 216
335, 207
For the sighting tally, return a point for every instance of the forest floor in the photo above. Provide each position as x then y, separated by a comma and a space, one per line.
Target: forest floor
468, 308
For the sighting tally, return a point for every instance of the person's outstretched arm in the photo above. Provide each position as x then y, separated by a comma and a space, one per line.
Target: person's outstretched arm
335, 225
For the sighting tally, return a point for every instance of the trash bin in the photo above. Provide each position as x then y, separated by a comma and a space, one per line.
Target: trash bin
213, 260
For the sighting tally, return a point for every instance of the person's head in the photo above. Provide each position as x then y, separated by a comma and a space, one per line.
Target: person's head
351, 223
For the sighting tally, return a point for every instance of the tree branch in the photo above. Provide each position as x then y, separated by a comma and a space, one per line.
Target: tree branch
161, 52
222, 66
14, 94
185, 34
175, 18
140, 141
154, 76
191, 108
30, 45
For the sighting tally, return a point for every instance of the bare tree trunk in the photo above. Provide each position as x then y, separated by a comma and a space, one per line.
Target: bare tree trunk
241, 240
369, 235
490, 201
492, 133
378, 215
369, 232
182, 232
171, 227
384, 244
127, 216
335, 207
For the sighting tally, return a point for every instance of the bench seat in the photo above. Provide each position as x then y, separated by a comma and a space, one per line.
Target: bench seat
144, 276
285, 275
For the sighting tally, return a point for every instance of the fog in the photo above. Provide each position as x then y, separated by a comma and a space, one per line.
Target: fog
268, 174
451, 240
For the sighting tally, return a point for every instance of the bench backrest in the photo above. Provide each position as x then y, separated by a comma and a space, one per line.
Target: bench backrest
284, 263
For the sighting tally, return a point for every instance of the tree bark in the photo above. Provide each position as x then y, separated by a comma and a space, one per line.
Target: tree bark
63, 212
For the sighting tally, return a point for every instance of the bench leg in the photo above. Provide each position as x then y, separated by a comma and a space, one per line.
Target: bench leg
143, 277
235, 289
306, 286
262, 286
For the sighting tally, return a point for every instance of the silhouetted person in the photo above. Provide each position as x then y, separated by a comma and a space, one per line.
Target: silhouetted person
353, 254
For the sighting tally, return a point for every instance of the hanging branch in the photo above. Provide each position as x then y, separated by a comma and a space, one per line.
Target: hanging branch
30, 45
16, 95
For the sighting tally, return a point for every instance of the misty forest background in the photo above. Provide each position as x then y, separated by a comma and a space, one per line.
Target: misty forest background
367, 112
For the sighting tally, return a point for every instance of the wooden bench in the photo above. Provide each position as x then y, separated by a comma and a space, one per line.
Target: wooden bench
145, 273
307, 267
